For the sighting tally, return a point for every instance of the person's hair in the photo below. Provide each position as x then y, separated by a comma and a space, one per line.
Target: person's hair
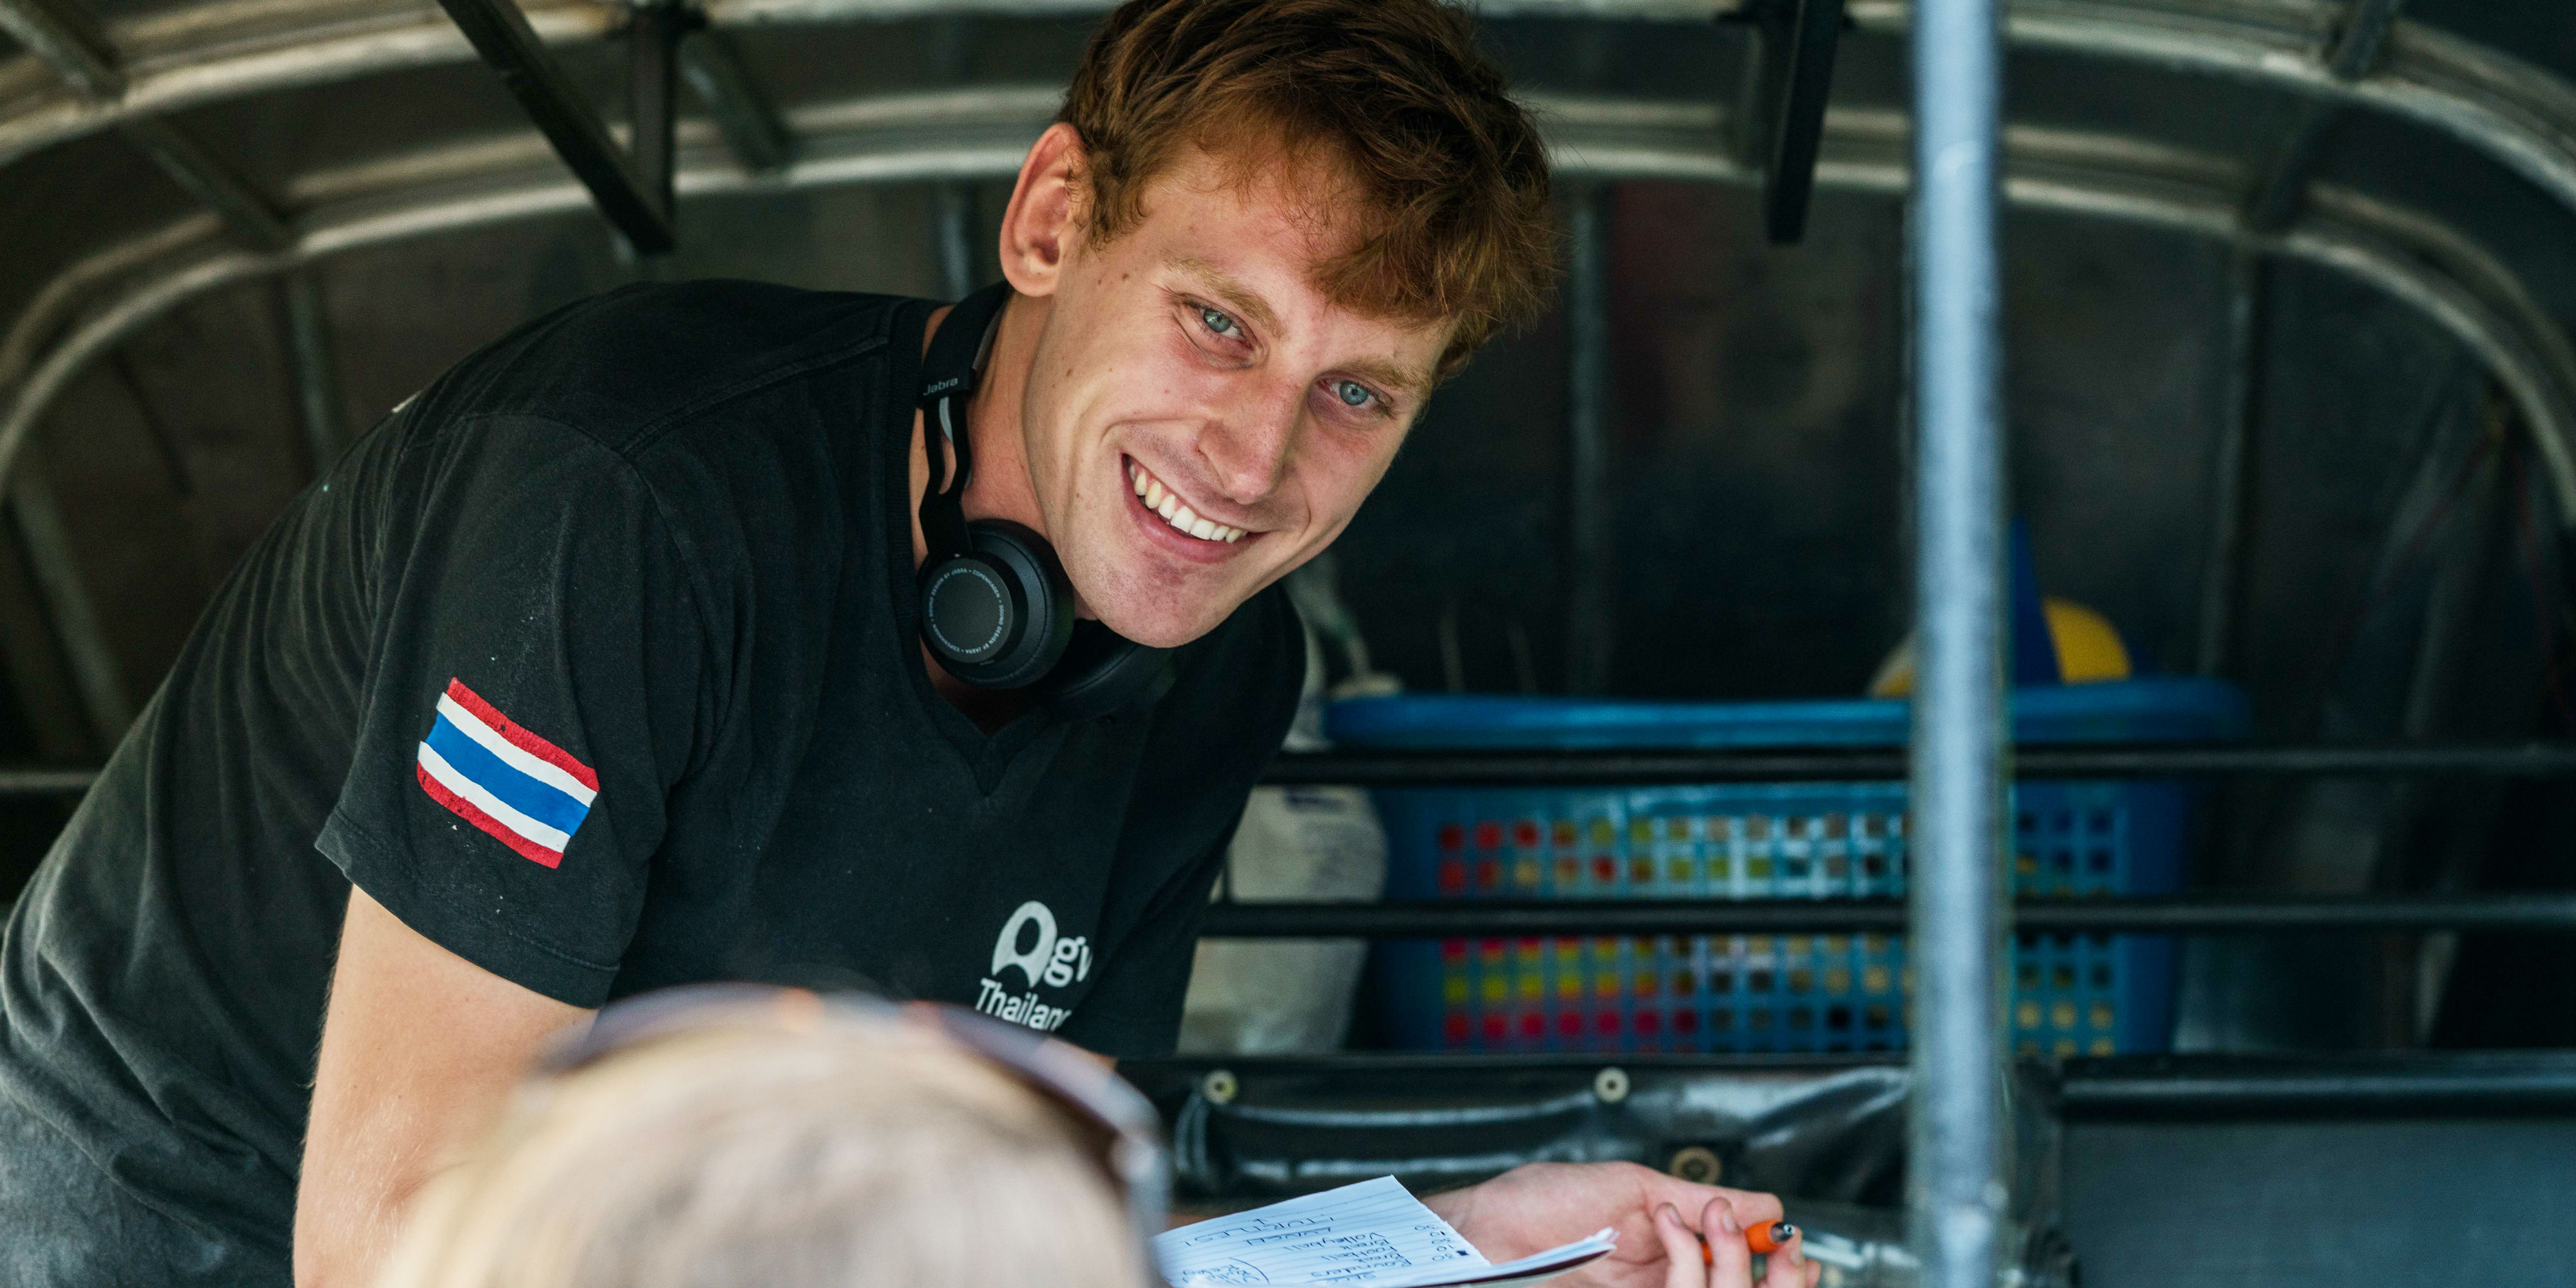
1448, 176
855, 1155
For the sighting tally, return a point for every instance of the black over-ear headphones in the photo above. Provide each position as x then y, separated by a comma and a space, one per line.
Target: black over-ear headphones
996, 609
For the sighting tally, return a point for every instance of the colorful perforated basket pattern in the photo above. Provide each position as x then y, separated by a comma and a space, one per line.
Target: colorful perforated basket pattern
2072, 994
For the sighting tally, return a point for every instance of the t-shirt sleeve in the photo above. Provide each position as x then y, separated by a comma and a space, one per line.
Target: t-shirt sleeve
532, 697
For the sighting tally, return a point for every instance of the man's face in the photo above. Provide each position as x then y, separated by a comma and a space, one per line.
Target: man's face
1199, 417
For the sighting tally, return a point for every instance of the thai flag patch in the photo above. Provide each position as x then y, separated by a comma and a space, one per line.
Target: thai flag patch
528, 793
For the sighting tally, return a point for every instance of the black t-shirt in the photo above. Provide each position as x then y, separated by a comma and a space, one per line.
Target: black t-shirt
596, 664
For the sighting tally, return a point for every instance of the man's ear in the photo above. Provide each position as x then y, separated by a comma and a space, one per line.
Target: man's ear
1043, 220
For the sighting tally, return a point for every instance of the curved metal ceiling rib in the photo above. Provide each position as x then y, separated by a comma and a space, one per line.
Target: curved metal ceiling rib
2522, 116
985, 133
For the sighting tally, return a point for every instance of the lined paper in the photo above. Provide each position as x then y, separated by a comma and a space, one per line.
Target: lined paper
1372, 1233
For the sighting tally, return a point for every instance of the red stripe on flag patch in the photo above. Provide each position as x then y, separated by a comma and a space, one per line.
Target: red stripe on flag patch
521, 738
493, 827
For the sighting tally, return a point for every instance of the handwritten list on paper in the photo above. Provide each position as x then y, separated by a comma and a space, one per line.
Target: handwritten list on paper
1356, 1234
1372, 1233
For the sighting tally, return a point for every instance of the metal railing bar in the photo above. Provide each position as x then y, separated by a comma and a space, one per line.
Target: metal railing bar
1610, 767
2222, 1086
2178, 914
46, 782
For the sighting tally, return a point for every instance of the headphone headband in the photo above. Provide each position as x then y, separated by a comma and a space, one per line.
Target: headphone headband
949, 374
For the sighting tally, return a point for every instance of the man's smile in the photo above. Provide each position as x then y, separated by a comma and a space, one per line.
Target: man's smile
1176, 517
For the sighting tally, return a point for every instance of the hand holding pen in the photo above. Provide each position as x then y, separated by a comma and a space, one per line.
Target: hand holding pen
1719, 1253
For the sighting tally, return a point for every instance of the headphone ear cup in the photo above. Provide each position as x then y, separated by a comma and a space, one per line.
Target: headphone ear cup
999, 618
1104, 674
971, 614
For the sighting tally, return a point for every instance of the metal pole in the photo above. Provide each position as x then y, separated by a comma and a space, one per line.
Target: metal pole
96, 677
1591, 599
952, 208
1954, 1191
2222, 576
653, 97
317, 375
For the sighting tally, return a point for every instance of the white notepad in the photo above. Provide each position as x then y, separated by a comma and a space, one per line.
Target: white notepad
1372, 1233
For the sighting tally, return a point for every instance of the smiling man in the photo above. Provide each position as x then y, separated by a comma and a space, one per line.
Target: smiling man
731, 631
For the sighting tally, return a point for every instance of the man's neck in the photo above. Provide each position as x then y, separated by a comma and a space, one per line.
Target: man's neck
1001, 487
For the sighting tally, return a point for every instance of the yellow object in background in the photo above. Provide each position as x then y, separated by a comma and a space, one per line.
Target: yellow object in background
2088, 651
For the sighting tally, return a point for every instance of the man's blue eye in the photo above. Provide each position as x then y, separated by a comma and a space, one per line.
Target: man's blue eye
1217, 322
1352, 393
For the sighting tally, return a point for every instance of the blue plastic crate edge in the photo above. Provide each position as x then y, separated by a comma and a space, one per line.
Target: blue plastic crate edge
2161, 709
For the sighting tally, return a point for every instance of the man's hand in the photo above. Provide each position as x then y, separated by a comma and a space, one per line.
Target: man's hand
1536, 1207
1714, 1254
419, 1048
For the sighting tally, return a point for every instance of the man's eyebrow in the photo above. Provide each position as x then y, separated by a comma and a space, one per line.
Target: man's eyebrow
1229, 292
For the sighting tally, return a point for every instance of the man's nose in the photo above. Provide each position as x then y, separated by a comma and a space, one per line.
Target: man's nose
1247, 446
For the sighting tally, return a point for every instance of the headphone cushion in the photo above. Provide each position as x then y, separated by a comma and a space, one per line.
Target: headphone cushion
1103, 674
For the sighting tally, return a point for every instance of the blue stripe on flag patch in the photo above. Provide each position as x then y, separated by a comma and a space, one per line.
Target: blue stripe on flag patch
540, 801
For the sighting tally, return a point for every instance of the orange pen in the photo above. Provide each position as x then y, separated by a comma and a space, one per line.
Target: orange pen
1761, 1239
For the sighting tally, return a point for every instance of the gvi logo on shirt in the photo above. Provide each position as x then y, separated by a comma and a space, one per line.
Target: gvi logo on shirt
1046, 959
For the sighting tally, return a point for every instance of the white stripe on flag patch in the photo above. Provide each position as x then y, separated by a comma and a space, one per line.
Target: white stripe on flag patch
544, 771
551, 838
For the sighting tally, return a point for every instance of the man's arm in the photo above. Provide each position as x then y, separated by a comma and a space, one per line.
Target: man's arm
419, 1047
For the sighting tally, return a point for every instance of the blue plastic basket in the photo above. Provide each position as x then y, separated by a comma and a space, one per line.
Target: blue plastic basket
2073, 994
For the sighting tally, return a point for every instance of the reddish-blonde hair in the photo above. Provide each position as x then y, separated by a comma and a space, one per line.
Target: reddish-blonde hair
1446, 174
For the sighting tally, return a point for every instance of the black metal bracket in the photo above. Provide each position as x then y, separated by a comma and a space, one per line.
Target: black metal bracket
750, 125
2281, 185
653, 34
1796, 78
68, 41
634, 196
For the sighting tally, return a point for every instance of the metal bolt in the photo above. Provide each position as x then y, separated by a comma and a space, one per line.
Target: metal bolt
1218, 1086
1611, 1085
1697, 1164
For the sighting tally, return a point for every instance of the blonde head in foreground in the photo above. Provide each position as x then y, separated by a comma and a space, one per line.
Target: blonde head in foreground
863, 1152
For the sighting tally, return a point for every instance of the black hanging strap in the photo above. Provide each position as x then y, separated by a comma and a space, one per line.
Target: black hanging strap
948, 376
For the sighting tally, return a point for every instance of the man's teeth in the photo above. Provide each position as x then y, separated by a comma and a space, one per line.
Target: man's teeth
1167, 503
